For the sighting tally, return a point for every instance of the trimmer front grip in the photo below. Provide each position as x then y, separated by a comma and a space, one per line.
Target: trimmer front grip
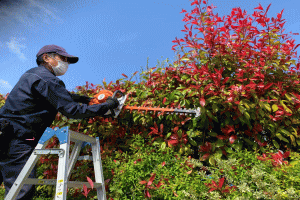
115, 112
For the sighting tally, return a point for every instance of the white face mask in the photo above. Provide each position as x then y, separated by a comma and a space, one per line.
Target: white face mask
61, 68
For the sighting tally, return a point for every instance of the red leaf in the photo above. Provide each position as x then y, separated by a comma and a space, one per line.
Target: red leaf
286, 154
225, 80
143, 182
268, 86
222, 137
158, 185
148, 194
85, 190
267, 9
161, 128
259, 7
204, 2
189, 172
214, 183
90, 182
221, 181
124, 75
175, 129
164, 101
175, 194
212, 189
163, 163
232, 139
151, 179
137, 160
173, 142
205, 156
202, 101
195, 2
183, 11
225, 191
264, 155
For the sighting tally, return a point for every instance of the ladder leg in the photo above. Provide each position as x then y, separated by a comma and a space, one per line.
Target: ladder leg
61, 184
101, 194
73, 157
19, 182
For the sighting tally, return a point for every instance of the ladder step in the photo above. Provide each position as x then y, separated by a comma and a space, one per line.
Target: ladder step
60, 152
77, 184
86, 157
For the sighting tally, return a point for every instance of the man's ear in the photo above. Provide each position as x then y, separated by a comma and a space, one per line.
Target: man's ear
45, 57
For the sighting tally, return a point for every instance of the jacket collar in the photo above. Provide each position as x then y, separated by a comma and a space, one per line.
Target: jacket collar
45, 69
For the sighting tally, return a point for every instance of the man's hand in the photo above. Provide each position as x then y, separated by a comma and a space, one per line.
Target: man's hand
112, 103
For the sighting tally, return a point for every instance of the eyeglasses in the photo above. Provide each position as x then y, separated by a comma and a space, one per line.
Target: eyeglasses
65, 59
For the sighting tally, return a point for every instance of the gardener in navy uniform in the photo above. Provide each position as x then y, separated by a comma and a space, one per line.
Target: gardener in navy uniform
32, 106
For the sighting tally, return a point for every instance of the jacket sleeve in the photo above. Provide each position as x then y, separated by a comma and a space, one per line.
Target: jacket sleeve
55, 93
80, 99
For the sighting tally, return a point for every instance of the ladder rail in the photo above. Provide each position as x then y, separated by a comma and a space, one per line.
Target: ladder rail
18, 184
99, 178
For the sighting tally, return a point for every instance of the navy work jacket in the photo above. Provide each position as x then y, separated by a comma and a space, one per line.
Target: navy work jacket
33, 103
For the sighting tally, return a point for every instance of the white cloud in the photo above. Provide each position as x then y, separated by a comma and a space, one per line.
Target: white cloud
5, 87
29, 13
15, 47
44, 11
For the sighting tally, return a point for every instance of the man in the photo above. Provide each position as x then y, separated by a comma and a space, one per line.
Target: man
32, 106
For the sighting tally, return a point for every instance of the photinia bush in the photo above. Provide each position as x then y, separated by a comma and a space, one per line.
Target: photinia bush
240, 69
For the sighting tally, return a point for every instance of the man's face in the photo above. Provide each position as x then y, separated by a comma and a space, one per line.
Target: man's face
53, 61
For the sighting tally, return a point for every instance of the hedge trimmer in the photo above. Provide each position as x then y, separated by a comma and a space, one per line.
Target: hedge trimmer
104, 94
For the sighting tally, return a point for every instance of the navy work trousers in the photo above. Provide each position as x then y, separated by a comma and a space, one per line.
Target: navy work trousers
12, 161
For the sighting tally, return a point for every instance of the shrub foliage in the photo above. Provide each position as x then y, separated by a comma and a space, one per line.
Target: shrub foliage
239, 69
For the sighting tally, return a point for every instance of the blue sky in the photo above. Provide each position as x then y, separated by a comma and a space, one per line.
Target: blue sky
110, 37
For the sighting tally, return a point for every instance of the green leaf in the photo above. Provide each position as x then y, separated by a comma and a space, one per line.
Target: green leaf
285, 107
281, 137
288, 97
163, 145
275, 144
229, 150
215, 108
295, 132
268, 107
237, 147
287, 133
211, 160
246, 105
248, 141
219, 143
61, 124
293, 140
241, 108
213, 134
247, 115
261, 112
274, 108
211, 115
168, 135
193, 142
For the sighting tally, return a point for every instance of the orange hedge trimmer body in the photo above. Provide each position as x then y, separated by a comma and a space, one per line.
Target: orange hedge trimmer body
104, 94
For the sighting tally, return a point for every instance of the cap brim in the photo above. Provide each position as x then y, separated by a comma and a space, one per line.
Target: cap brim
71, 59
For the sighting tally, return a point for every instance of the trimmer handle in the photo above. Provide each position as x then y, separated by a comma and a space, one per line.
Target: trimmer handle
116, 92
114, 96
